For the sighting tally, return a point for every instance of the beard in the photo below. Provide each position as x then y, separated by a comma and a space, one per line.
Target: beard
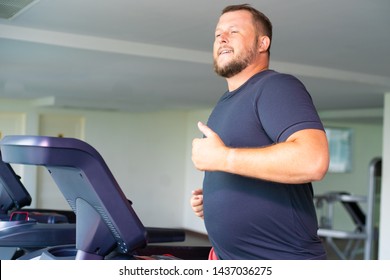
237, 64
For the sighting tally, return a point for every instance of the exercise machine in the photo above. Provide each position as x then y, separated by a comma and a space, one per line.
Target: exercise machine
106, 223
24, 229
361, 238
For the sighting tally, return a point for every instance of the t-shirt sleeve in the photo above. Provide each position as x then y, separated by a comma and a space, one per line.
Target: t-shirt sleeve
285, 107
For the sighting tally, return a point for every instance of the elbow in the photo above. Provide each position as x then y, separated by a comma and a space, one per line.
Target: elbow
319, 168
319, 175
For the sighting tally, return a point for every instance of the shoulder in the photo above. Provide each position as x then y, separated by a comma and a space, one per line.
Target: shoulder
284, 84
272, 78
277, 78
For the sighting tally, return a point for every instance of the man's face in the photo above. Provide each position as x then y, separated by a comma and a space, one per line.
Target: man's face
235, 45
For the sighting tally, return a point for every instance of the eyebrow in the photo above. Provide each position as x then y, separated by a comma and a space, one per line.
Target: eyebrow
230, 27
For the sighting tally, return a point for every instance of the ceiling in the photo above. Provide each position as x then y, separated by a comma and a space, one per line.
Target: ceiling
156, 55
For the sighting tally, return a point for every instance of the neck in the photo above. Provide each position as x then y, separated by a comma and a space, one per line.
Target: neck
238, 80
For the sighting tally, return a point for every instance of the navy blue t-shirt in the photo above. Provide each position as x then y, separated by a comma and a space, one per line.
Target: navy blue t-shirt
249, 218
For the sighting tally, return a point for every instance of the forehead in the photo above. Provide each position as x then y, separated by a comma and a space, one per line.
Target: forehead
235, 19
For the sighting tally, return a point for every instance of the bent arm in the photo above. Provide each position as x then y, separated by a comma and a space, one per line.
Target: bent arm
303, 157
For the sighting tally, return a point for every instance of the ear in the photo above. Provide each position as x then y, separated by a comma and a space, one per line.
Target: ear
264, 43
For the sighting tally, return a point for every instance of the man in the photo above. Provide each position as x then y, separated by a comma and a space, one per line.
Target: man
262, 147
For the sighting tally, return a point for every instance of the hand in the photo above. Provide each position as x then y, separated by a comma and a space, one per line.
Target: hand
197, 202
209, 153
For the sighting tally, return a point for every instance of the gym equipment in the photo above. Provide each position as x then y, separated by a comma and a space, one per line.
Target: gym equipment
13, 195
365, 228
106, 224
23, 230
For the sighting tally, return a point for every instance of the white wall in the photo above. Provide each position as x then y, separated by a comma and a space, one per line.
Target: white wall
145, 153
149, 154
194, 178
30, 126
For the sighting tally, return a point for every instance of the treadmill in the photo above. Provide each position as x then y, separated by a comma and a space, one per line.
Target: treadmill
107, 226
25, 229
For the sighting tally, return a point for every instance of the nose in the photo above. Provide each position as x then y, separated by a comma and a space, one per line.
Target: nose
222, 38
